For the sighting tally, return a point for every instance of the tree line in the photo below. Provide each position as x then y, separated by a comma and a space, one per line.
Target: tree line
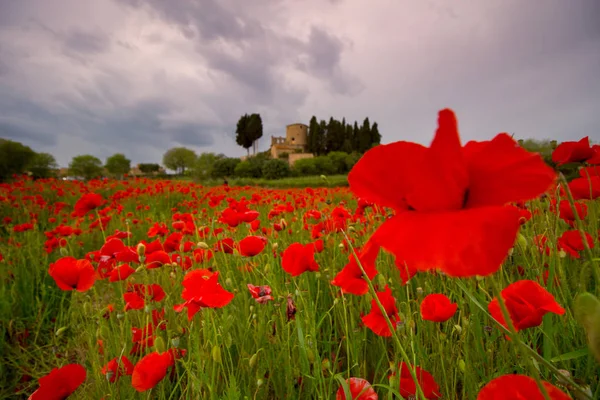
16, 158
325, 137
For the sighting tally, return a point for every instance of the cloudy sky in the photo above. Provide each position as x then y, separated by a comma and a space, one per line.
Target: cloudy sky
141, 76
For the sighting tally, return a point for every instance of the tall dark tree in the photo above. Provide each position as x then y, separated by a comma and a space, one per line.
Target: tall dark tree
364, 136
355, 136
243, 137
322, 144
255, 130
375, 135
313, 135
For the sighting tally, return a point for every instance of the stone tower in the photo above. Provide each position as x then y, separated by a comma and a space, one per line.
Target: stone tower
295, 134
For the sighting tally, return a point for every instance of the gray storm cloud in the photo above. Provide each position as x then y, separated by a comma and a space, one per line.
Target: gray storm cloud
141, 76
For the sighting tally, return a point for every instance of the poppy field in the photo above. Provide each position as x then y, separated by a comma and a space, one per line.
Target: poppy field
453, 271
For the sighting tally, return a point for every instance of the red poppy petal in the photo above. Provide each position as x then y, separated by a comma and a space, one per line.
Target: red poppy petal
371, 178
377, 323
87, 275
518, 387
500, 172
460, 243
441, 182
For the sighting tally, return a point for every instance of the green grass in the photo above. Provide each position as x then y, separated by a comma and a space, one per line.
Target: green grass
251, 350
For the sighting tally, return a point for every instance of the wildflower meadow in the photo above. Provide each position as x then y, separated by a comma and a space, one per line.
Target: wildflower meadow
448, 271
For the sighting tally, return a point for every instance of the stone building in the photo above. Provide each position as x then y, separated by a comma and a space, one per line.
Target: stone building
294, 144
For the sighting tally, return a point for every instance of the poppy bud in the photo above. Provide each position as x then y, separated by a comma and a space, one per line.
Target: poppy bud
159, 344
562, 253
141, 249
253, 360
462, 366
60, 331
419, 290
63, 252
563, 373
522, 240
216, 354
228, 282
259, 383
140, 268
381, 280
310, 355
393, 381
326, 364
202, 245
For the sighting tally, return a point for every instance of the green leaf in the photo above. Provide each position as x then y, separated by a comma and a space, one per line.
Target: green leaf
587, 313
571, 355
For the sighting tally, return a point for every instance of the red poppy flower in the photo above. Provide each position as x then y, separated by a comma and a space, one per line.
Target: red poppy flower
446, 195
408, 389
117, 367
201, 289
585, 188
120, 273
299, 258
375, 319
225, 245
133, 301
565, 211
437, 308
568, 152
87, 203
360, 389
157, 259
350, 279
150, 370
527, 302
72, 274
518, 387
252, 245
572, 242
261, 294
60, 383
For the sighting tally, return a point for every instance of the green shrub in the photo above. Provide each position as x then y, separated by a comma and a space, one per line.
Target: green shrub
338, 160
275, 169
352, 159
324, 165
251, 168
305, 166
224, 167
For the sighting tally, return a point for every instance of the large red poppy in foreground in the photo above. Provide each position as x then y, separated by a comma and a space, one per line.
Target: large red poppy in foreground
450, 200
